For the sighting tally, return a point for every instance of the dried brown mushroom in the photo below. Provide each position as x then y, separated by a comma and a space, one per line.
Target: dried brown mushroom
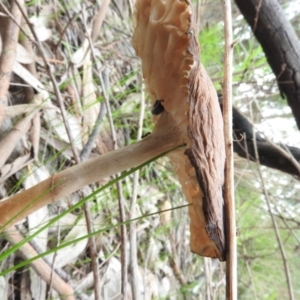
187, 112
165, 39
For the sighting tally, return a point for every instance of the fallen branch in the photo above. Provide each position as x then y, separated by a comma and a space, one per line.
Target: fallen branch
70, 180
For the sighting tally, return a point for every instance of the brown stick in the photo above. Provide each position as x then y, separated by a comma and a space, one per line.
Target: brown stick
8, 54
99, 18
21, 205
39, 265
230, 226
8, 142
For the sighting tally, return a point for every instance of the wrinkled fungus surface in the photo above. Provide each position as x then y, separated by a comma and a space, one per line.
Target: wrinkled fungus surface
164, 38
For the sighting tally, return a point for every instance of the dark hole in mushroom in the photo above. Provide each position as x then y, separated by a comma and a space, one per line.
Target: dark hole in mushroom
157, 108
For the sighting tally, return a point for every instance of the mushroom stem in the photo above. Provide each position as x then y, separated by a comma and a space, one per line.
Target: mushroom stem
68, 181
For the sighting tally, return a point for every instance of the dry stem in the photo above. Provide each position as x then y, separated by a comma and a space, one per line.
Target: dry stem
231, 254
134, 268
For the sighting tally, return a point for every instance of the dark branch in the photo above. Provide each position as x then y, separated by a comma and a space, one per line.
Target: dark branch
269, 156
280, 44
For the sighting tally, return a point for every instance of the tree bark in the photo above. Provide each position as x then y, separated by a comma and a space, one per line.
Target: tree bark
280, 44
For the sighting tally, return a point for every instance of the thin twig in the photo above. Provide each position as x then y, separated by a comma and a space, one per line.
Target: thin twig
84, 155
124, 256
134, 268
65, 276
282, 149
54, 83
250, 274
280, 244
92, 243
177, 272
124, 259
230, 226
63, 31
93, 251
285, 152
284, 220
74, 150
54, 257
97, 126
87, 149
124, 263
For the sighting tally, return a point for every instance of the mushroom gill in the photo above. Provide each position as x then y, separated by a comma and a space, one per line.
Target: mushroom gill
164, 38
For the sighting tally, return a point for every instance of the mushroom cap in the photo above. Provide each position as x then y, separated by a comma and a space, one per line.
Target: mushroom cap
164, 38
